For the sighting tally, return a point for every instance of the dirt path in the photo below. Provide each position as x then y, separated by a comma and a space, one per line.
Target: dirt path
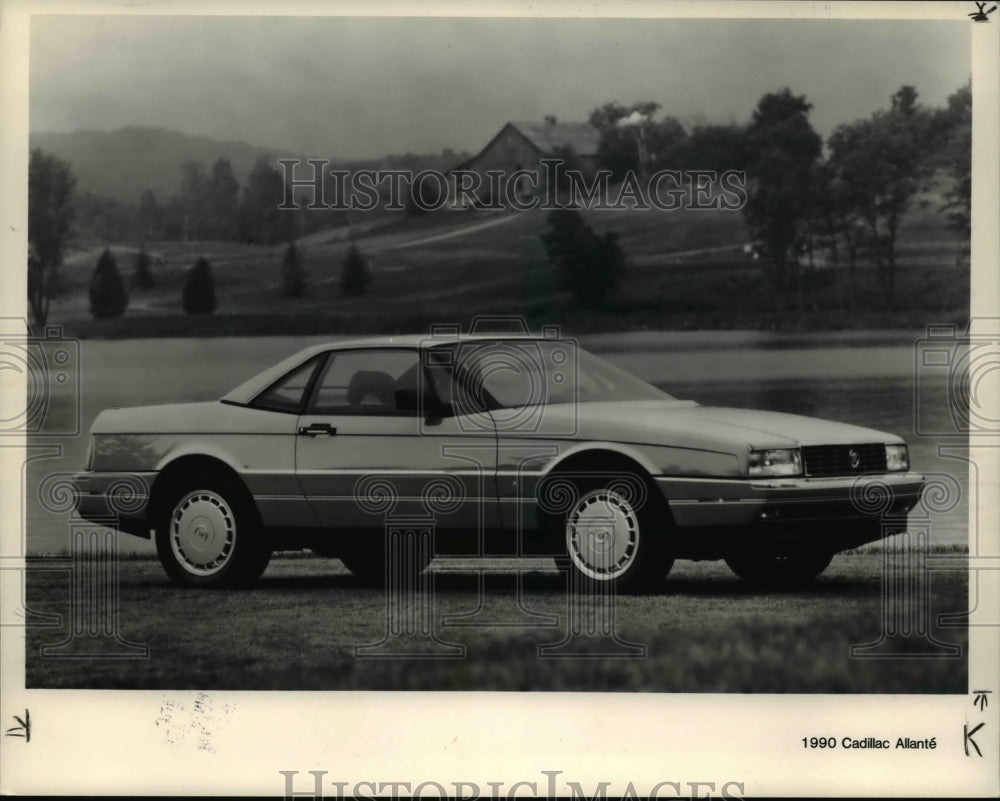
455, 232
385, 244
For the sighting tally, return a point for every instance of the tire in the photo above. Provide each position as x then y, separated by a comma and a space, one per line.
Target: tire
769, 569
208, 533
613, 533
367, 561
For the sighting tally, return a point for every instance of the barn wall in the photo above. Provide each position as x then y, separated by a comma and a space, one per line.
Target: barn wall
510, 151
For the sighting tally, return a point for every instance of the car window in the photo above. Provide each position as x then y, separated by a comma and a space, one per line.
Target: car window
514, 373
368, 382
287, 393
450, 382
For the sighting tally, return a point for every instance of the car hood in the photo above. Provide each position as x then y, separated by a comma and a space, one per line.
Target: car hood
686, 424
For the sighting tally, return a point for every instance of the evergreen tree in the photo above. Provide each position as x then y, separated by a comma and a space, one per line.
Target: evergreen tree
199, 289
586, 264
293, 276
355, 276
108, 297
142, 276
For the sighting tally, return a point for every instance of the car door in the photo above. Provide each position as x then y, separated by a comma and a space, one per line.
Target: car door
372, 448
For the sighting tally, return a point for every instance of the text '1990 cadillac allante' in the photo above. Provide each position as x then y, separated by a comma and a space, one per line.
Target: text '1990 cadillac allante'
490, 445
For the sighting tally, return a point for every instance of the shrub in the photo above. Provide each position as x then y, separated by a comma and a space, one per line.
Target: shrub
199, 289
355, 276
108, 297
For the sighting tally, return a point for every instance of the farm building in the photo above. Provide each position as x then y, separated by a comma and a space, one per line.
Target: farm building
522, 145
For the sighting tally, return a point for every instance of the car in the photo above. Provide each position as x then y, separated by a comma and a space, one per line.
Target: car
486, 445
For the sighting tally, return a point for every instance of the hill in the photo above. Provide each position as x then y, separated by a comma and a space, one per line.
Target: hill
687, 269
120, 164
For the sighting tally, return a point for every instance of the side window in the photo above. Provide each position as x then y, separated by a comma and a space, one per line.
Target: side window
287, 393
510, 373
369, 382
450, 375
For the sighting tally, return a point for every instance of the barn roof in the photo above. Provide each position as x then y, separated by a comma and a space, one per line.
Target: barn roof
547, 136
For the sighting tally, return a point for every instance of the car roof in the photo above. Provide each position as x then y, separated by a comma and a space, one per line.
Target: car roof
249, 389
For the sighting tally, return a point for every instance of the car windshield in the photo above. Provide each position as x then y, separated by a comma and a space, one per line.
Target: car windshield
509, 374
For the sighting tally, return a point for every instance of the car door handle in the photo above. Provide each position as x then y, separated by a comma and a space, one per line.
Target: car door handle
317, 429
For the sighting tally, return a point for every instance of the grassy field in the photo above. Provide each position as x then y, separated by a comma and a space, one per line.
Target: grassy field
703, 631
687, 270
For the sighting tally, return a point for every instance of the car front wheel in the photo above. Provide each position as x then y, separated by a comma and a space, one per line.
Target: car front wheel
208, 534
616, 534
771, 569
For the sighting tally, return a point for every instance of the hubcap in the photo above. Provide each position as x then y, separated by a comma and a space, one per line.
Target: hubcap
202, 532
602, 535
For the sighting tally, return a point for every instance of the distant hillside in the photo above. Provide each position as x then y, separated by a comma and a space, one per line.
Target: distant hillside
121, 164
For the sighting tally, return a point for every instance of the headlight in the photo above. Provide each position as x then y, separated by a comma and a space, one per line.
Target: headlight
781, 462
897, 457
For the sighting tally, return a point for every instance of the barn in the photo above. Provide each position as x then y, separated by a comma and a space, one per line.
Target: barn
522, 145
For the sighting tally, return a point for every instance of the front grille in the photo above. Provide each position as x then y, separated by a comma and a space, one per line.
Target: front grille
835, 460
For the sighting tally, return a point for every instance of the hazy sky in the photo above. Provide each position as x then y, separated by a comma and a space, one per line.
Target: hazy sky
358, 87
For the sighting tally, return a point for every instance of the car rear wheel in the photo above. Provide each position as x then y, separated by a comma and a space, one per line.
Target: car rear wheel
615, 532
771, 569
209, 535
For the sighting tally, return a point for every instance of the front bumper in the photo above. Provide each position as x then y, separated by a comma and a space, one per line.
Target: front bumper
717, 517
696, 502
117, 500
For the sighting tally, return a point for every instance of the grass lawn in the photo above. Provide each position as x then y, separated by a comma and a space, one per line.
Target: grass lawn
703, 631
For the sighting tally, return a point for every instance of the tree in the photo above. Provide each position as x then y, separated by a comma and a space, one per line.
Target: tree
194, 200
956, 157
624, 131
355, 275
716, 147
586, 264
293, 277
260, 218
782, 154
883, 161
198, 296
142, 275
50, 226
108, 297
223, 192
665, 144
